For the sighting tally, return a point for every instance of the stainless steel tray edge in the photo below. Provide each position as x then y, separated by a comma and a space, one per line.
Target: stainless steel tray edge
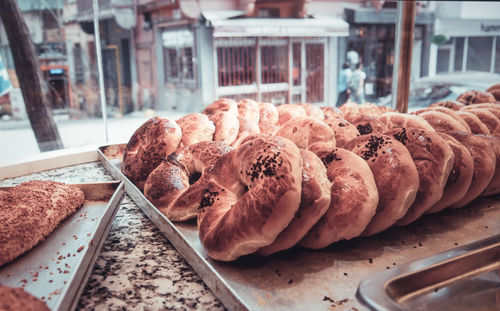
72, 296
373, 291
197, 261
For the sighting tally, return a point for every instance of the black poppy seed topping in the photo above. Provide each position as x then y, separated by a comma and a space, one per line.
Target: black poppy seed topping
341, 124
265, 166
329, 158
401, 136
365, 129
374, 144
207, 199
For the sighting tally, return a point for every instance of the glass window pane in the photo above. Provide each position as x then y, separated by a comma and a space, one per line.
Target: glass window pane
497, 56
459, 53
479, 53
443, 60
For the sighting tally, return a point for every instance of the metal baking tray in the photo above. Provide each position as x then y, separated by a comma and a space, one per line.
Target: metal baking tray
466, 278
300, 279
56, 270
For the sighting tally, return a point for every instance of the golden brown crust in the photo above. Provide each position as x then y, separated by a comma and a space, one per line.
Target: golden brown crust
305, 132
290, 112
352, 111
31, 211
395, 175
268, 128
403, 120
452, 113
227, 126
15, 299
151, 143
314, 202
313, 111
330, 112
484, 165
451, 104
232, 221
222, 104
486, 116
366, 125
249, 110
176, 186
442, 122
246, 128
354, 199
433, 158
195, 127
475, 125
344, 130
460, 176
476, 97
495, 91
268, 113
494, 185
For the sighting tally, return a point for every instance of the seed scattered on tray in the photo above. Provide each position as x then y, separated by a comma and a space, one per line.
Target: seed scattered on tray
88, 234
290, 281
345, 273
455, 243
326, 298
420, 244
393, 263
63, 243
50, 281
75, 237
486, 227
370, 260
80, 249
387, 267
24, 280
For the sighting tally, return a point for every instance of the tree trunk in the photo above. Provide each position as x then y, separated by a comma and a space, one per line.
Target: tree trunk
29, 75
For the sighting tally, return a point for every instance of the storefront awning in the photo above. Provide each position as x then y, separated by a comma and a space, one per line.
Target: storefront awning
279, 27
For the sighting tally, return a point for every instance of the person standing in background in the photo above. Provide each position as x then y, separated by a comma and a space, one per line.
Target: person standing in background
344, 76
356, 84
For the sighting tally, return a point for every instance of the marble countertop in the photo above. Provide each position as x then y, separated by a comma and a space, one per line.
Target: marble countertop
138, 268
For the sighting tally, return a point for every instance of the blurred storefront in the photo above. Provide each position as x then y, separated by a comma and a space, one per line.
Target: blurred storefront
265, 50
372, 36
467, 38
116, 20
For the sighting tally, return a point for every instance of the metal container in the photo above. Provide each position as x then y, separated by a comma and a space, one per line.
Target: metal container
300, 279
56, 270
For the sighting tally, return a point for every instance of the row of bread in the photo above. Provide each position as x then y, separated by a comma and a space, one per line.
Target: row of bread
261, 179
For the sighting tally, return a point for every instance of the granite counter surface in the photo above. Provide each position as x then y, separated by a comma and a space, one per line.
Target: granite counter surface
138, 268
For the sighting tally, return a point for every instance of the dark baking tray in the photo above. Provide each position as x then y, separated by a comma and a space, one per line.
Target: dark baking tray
327, 279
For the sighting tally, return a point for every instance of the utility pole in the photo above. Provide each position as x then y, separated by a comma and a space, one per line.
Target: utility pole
28, 72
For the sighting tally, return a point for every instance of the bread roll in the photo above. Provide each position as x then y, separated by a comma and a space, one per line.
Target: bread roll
487, 117
195, 127
494, 185
227, 126
403, 120
268, 114
448, 111
314, 201
249, 110
176, 186
31, 211
151, 143
313, 111
443, 122
252, 196
460, 177
222, 104
246, 128
475, 125
354, 199
330, 112
344, 130
290, 112
395, 175
495, 91
306, 132
433, 158
484, 165
366, 125
475, 97
16, 299
451, 104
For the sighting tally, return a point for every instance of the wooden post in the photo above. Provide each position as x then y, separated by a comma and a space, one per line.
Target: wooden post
28, 72
402, 60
